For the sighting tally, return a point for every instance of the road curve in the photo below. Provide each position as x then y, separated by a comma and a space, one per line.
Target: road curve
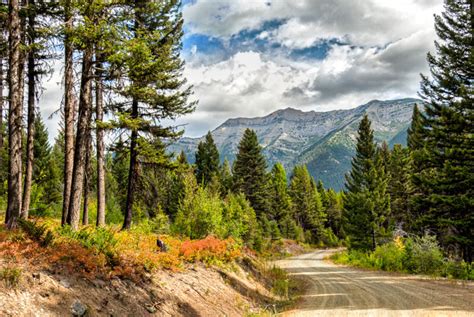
335, 290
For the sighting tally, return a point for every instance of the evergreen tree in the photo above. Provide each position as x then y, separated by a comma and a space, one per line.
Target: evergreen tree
149, 57
207, 160
334, 212
225, 177
181, 159
366, 202
399, 187
322, 193
250, 176
280, 201
447, 184
41, 150
15, 114
415, 139
417, 160
307, 205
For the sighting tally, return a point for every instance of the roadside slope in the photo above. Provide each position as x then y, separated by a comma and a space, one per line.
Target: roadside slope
343, 291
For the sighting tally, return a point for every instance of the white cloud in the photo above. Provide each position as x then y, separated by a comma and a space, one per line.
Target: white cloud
251, 84
361, 22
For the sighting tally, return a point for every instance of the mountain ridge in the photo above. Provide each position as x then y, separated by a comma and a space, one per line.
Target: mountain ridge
324, 141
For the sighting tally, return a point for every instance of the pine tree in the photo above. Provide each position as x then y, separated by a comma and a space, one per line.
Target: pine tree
88, 34
307, 205
280, 201
367, 203
15, 115
207, 160
225, 178
417, 161
415, 139
322, 192
149, 59
334, 212
69, 107
399, 187
249, 171
41, 151
447, 183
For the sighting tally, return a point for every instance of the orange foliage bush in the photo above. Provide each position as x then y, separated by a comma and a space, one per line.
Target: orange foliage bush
135, 254
209, 250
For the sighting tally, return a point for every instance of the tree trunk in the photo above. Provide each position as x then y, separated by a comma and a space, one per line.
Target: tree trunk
87, 176
132, 171
83, 129
69, 113
100, 148
15, 116
31, 118
1, 109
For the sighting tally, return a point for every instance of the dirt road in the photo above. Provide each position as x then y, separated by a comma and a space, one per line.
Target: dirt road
335, 290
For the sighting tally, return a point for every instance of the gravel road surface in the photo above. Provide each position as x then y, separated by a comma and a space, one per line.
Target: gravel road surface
334, 290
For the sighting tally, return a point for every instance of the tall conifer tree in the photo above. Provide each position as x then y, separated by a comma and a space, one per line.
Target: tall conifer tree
207, 160
366, 202
250, 176
448, 187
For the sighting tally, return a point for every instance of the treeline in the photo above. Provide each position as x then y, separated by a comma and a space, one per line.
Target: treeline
122, 76
429, 186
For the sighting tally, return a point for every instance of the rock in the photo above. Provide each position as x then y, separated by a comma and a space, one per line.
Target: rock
65, 283
99, 283
78, 309
150, 308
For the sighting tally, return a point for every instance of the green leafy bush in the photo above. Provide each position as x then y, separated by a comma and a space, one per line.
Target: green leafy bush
424, 255
388, 257
419, 255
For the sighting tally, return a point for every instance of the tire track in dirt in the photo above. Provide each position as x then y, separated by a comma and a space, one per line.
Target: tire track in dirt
343, 291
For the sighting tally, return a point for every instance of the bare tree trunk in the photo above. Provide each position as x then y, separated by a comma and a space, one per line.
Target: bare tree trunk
1, 108
83, 129
132, 171
69, 113
15, 115
87, 175
31, 118
100, 148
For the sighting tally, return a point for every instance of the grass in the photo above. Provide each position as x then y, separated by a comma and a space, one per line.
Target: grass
420, 255
10, 276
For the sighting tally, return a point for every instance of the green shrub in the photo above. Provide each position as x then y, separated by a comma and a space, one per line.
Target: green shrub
328, 238
38, 233
10, 276
458, 270
279, 281
388, 257
239, 220
102, 240
424, 256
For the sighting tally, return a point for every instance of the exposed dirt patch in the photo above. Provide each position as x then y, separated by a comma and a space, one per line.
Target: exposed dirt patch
197, 291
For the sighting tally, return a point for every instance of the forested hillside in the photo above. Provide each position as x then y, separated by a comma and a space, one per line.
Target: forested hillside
324, 141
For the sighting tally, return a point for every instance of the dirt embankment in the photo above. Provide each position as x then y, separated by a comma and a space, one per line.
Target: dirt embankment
196, 291
343, 291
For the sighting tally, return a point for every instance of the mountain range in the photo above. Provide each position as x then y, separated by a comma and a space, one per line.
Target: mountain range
324, 141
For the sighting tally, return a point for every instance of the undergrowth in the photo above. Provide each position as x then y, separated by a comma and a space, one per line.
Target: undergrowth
108, 252
419, 255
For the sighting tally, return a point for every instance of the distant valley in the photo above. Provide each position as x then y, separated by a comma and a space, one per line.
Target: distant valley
324, 141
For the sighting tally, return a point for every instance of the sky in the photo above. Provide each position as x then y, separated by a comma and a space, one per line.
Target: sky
247, 58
